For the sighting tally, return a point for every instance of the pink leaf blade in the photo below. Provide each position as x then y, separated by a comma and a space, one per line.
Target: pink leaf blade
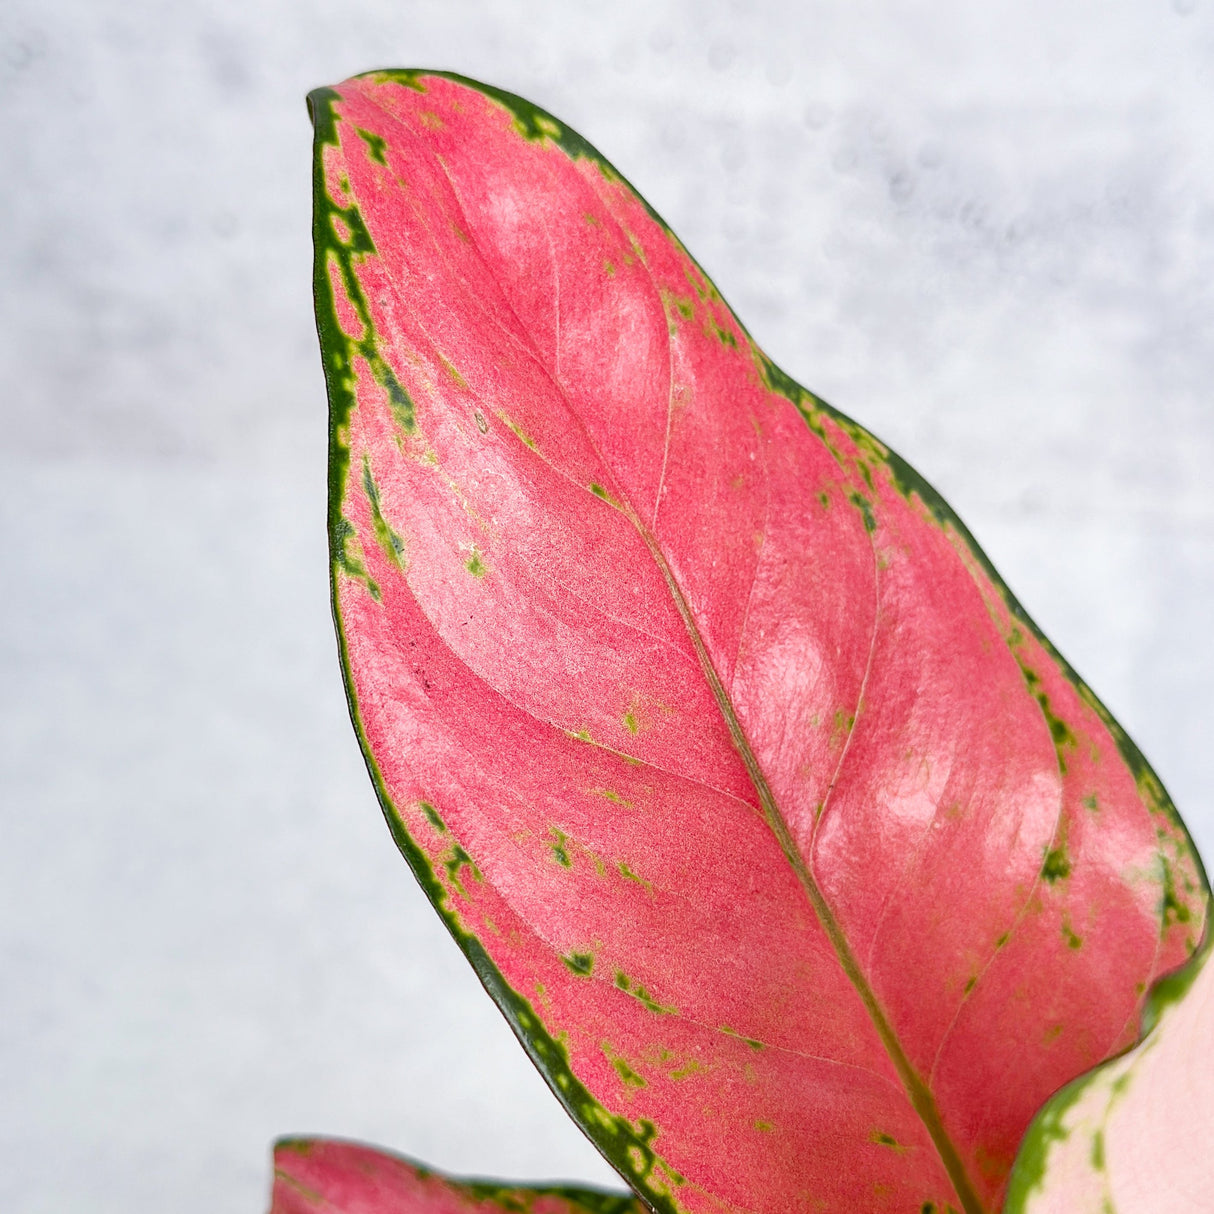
760, 800
326, 1176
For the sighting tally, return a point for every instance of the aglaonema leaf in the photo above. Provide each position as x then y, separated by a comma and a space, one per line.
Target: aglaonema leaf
801, 864
1132, 1137
324, 1176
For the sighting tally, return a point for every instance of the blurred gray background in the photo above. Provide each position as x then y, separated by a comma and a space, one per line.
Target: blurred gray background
986, 231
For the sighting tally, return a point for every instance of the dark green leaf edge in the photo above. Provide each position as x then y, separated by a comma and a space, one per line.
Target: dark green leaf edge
537, 124
509, 1195
625, 1146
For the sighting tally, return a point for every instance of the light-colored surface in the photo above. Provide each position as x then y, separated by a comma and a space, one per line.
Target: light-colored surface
985, 231
1135, 1139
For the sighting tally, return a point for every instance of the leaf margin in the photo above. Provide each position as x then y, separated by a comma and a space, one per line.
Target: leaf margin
625, 1146
587, 1198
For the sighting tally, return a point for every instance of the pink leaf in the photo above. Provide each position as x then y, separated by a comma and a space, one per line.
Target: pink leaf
801, 864
316, 1176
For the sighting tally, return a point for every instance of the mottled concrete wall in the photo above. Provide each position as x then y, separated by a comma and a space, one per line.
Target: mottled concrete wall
987, 231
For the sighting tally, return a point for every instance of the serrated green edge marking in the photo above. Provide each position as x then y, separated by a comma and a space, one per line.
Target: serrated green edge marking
627, 1147
508, 1194
910, 484
338, 349
593, 1201
1046, 1129
616, 1139
538, 125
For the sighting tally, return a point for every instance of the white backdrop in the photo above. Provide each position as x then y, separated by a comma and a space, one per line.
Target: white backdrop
986, 231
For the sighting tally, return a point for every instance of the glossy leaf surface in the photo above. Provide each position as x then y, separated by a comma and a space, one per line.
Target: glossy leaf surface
801, 865
1134, 1136
319, 1176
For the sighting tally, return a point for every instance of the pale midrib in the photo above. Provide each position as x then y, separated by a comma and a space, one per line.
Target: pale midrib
917, 1090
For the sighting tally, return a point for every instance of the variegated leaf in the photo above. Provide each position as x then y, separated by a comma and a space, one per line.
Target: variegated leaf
802, 865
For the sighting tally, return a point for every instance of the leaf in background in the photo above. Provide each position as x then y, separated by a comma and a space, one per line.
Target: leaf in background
802, 866
1133, 1136
319, 1176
